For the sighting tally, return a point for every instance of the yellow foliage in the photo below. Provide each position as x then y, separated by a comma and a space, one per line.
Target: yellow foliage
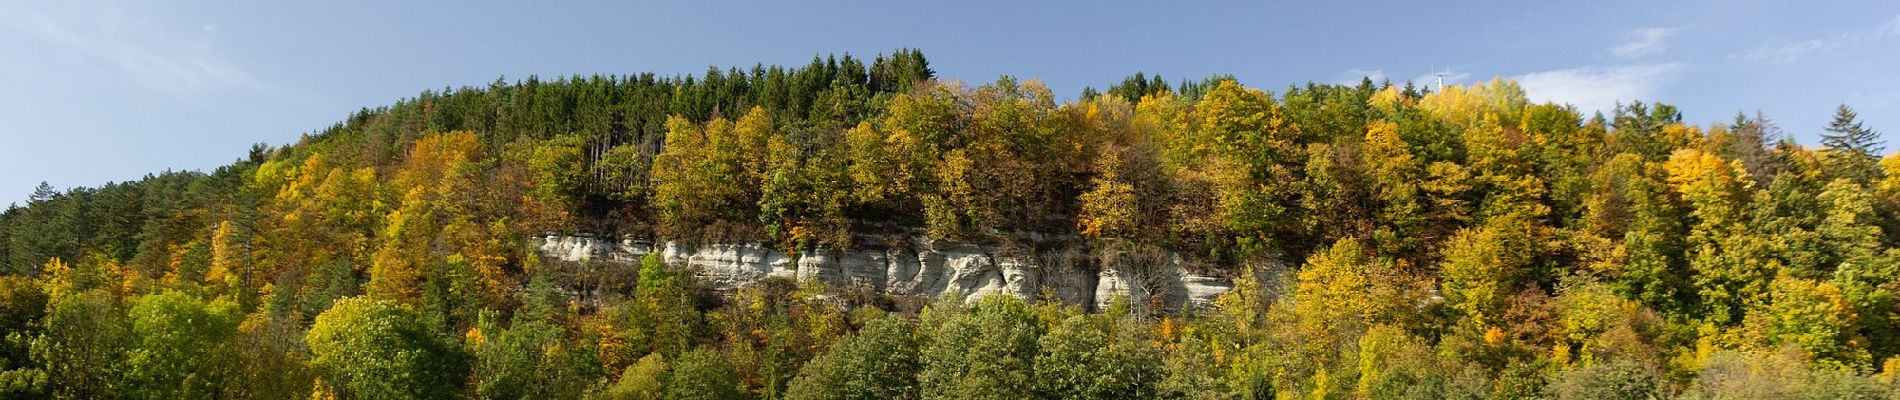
1333, 287
1464, 106
1166, 331
1110, 208
56, 278
1717, 188
1494, 336
474, 338
321, 391
1389, 100
1889, 370
223, 276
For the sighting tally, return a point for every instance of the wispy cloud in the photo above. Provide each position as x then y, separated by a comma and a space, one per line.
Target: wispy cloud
1598, 88
179, 61
1353, 76
1791, 51
1646, 41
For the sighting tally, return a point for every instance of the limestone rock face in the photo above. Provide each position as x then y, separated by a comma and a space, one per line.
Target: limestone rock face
927, 269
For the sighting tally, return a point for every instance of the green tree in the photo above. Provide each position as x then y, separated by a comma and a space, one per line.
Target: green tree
704, 374
275, 360
1621, 380
1731, 267
982, 351
529, 360
880, 361
184, 348
1193, 372
663, 317
377, 349
559, 169
83, 347
1085, 358
22, 307
1253, 151
1815, 317
644, 380
1642, 229
707, 179
1853, 149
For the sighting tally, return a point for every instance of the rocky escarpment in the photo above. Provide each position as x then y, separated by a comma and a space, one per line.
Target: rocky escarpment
926, 269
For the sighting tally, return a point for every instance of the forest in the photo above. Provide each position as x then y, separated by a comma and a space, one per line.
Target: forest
1385, 242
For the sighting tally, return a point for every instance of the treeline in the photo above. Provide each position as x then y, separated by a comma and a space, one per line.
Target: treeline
1386, 242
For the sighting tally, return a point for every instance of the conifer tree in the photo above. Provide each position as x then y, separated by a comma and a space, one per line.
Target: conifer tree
1853, 149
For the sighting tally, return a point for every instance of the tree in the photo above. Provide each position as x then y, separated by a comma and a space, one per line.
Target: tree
84, 345
807, 191
1483, 267
1193, 372
1088, 358
1640, 129
704, 374
1395, 175
984, 351
22, 307
1133, 88
705, 180
879, 362
1110, 208
435, 181
183, 348
529, 360
1393, 365
1751, 140
559, 171
644, 380
1778, 374
1247, 149
904, 69
1464, 106
663, 317
1333, 297
1731, 266
1853, 149
372, 348
1815, 317
274, 358
1621, 380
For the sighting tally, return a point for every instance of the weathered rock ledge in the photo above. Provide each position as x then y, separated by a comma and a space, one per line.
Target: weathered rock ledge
926, 269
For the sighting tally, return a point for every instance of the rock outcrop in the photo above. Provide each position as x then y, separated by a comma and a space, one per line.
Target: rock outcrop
926, 269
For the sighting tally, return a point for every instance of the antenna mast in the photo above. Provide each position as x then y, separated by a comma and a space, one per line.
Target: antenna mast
1441, 78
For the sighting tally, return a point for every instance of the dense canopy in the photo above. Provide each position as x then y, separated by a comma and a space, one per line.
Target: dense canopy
1385, 242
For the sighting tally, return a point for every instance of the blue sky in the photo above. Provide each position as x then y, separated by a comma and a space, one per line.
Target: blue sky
92, 92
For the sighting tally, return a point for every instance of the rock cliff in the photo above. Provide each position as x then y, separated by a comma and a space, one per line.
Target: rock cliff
926, 269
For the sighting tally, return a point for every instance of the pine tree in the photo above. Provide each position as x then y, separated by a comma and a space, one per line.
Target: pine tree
1853, 148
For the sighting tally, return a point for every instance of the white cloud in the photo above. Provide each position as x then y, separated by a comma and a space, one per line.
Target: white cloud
1353, 76
1791, 51
172, 59
1595, 88
1646, 41
1786, 52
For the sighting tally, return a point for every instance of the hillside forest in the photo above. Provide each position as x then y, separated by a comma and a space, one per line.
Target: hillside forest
1385, 242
